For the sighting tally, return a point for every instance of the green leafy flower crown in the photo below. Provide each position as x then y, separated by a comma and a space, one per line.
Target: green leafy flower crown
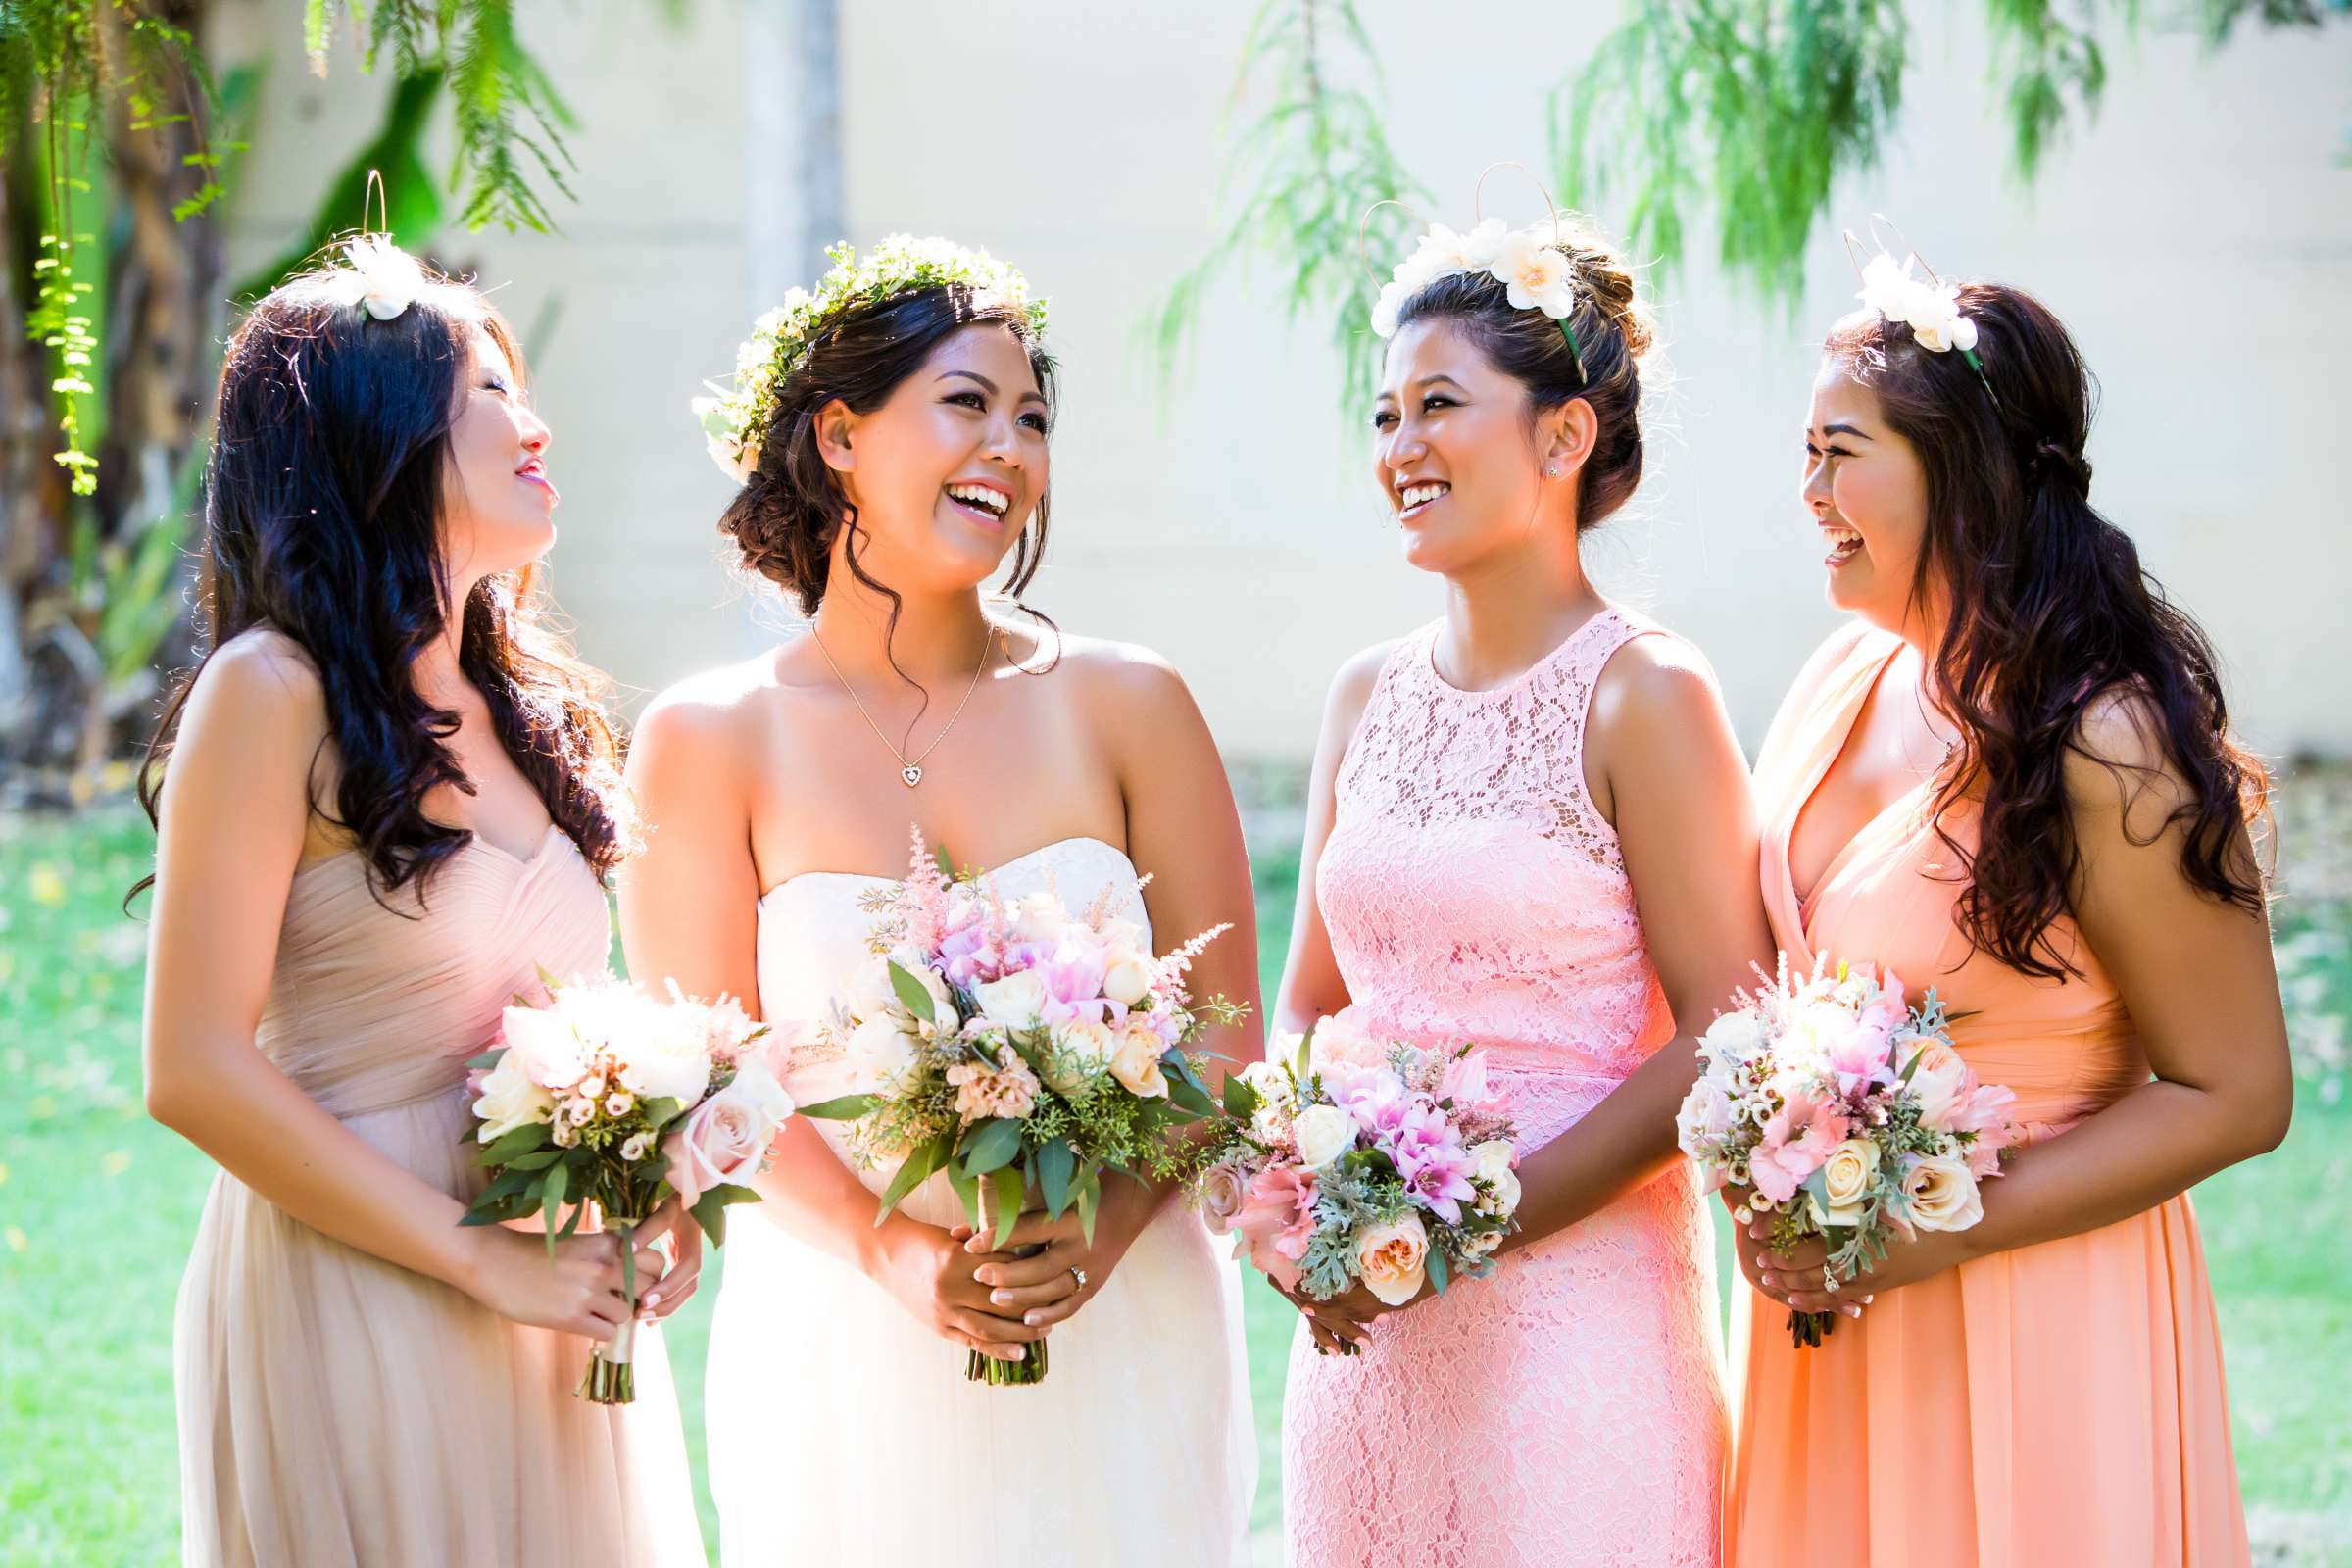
735, 419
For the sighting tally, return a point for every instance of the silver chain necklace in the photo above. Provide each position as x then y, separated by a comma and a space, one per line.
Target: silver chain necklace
911, 770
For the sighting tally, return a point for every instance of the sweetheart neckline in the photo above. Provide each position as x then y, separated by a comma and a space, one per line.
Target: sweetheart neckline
993, 870
539, 852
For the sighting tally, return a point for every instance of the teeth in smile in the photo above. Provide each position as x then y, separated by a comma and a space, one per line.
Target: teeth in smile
993, 502
1421, 495
1842, 540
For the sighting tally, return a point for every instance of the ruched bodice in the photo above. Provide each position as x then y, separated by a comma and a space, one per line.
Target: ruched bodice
2056, 1403
2067, 1047
1570, 1408
337, 1411
375, 1006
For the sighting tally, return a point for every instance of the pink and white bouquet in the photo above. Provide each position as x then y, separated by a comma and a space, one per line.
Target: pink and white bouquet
1847, 1112
1017, 1048
604, 1096
1361, 1160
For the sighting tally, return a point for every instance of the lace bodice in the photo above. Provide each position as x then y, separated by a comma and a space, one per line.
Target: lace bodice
1470, 887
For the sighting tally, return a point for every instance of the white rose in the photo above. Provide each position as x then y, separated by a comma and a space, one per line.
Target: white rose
1324, 1134
1083, 1054
1127, 980
1389, 307
1014, 1001
1493, 1159
1392, 1258
1845, 1180
1135, 1062
1940, 1080
1735, 1036
668, 1065
1943, 1195
510, 1100
1039, 917
879, 1052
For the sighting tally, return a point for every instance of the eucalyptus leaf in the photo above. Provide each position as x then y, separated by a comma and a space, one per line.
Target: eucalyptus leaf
1006, 1189
913, 994
1056, 1162
843, 1108
992, 1146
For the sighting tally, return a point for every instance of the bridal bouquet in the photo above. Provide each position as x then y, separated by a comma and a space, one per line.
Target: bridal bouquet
1847, 1113
602, 1096
1367, 1160
1017, 1048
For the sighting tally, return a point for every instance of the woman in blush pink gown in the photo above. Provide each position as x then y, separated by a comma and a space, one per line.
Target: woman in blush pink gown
1529, 829
2012, 780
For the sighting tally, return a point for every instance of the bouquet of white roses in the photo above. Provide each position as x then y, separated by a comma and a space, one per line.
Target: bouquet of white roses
606, 1097
1017, 1048
1355, 1160
1847, 1112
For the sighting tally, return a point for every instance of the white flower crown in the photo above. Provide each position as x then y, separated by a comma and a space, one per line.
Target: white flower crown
377, 275
1537, 275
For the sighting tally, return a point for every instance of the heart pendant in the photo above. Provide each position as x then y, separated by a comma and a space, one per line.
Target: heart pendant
913, 774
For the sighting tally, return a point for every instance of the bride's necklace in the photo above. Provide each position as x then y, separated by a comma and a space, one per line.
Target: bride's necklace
911, 770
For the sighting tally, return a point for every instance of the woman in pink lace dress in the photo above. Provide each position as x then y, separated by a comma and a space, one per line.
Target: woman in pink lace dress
1524, 818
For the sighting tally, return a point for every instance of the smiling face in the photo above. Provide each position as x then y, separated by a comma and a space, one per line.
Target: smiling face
947, 471
499, 510
1868, 493
1456, 457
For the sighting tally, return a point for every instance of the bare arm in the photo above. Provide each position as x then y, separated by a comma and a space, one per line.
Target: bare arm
1312, 986
690, 912
1677, 789
2202, 989
235, 814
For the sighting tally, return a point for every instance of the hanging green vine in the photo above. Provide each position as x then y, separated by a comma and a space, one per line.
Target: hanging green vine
1316, 157
1754, 108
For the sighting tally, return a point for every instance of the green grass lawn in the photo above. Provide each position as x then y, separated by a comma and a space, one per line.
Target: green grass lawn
97, 1206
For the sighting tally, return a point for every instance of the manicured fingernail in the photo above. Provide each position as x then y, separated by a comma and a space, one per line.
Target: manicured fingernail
653, 1300
1001, 1297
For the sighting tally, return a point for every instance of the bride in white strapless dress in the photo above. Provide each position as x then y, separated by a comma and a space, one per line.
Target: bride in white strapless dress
894, 463
841, 1429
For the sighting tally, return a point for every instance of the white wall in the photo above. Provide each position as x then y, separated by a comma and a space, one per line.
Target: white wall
2197, 237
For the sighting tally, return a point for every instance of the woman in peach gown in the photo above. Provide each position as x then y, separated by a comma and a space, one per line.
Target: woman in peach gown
1528, 827
388, 800
2012, 780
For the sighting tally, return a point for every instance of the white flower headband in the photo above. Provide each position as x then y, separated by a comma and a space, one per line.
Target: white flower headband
1535, 270
1929, 305
377, 275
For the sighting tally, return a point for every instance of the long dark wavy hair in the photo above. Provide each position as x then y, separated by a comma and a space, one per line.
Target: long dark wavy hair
785, 519
322, 519
2050, 613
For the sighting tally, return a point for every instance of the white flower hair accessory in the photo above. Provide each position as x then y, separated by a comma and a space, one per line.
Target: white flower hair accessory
1929, 305
379, 277
780, 340
1536, 271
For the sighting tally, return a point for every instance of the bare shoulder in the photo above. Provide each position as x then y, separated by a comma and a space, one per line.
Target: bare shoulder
1118, 680
1655, 687
710, 715
261, 676
2119, 763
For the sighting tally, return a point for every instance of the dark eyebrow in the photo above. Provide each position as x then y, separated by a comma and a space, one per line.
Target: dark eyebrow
1842, 429
1428, 381
1032, 395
